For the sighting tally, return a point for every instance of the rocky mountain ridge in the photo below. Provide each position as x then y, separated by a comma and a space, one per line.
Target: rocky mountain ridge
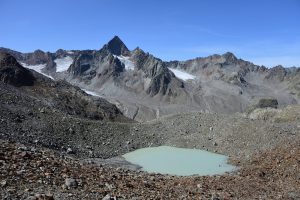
145, 87
58, 95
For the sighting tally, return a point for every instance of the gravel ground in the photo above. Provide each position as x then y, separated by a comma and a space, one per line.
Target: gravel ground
28, 172
235, 135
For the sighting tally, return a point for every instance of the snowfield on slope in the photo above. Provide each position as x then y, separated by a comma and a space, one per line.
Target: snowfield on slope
62, 64
92, 93
182, 75
37, 68
129, 65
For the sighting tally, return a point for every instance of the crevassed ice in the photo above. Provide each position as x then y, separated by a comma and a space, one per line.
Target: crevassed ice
62, 64
37, 68
129, 65
182, 75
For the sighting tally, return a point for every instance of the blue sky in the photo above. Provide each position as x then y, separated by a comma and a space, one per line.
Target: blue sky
262, 31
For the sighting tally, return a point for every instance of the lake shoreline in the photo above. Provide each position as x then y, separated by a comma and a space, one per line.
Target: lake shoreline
259, 176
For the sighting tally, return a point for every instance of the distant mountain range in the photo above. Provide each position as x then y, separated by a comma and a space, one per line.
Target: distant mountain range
144, 87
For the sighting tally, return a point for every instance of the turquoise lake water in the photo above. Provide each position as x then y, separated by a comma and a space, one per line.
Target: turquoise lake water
179, 161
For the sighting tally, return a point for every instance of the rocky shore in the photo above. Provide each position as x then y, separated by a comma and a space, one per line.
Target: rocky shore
29, 172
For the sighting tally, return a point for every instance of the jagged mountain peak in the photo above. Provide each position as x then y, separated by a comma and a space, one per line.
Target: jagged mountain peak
229, 56
137, 49
116, 38
117, 47
60, 51
39, 51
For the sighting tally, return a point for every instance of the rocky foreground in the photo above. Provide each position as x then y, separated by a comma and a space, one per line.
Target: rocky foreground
28, 172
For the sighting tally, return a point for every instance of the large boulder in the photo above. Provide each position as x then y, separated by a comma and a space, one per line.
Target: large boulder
267, 103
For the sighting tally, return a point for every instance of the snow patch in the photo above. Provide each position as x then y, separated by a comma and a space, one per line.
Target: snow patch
70, 52
37, 68
91, 93
62, 64
182, 75
129, 65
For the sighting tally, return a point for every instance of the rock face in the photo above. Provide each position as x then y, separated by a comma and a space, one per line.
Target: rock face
150, 76
37, 57
11, 72
92, 64
163, 81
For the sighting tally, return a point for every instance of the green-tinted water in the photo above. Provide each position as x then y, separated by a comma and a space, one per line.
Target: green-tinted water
179, 161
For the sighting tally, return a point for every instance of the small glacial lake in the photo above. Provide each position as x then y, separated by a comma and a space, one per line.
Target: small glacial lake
179, 161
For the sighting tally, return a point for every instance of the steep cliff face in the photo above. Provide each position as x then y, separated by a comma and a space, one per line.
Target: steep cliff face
98, 66
81, 63
163, 81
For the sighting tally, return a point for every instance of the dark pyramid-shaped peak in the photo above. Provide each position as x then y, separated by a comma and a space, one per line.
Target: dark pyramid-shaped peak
117, 47
230, 57
116, 39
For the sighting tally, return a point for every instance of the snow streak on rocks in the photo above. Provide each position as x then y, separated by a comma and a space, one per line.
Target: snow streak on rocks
182, 75
129, 65
37, 68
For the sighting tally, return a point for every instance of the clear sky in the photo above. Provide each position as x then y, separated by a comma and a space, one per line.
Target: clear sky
262, 31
